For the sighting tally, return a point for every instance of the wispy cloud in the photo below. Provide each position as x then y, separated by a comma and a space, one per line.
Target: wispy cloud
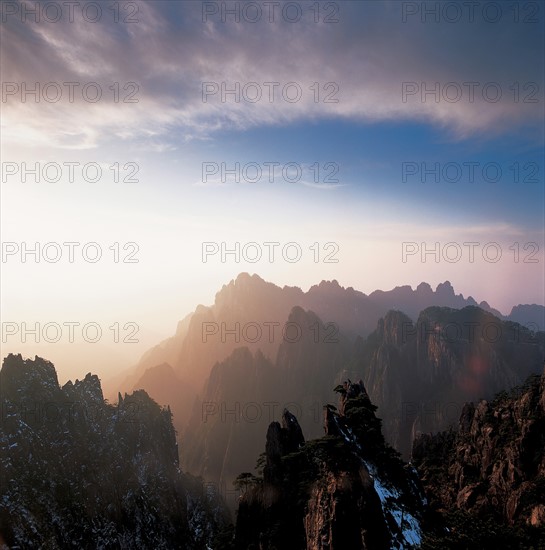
170, 52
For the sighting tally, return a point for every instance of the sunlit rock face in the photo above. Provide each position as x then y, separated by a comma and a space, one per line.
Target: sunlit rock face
494, 462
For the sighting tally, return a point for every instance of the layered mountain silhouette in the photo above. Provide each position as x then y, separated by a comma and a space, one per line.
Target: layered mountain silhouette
77, 472
421, 354
418, 374
263, 360
193, 349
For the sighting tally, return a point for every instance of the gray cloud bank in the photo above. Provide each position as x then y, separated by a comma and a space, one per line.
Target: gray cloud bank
371, 55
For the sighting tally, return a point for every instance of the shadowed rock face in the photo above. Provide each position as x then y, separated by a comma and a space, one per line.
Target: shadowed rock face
345, 491
421, 374
78, 472
494, 463
343, 513
281, 440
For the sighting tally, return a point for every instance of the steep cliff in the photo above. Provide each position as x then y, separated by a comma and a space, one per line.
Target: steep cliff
493, 465
223, 436
421, 374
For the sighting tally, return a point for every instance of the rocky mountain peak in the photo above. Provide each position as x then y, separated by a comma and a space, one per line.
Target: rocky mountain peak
327, 286
281, 440
100, 475
530, 315
243, 283
346, 490
293, 433
89, 389
424, 288
351, 390
26, 379
445, 290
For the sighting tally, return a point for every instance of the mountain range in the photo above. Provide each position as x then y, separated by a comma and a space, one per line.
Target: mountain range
167, 464
231, 367
193, 349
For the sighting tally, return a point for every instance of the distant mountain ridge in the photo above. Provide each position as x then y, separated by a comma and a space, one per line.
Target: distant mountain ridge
531, 315
250, 300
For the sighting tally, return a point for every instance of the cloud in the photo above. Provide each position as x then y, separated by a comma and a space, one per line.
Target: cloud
360, 65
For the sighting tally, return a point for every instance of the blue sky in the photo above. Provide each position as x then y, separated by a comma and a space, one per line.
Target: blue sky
169, 132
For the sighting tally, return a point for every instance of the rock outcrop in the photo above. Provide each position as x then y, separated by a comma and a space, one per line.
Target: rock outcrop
493, 465
281, 441
345, 491
76, 471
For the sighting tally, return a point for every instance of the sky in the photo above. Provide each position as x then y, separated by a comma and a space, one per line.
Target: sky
386, 134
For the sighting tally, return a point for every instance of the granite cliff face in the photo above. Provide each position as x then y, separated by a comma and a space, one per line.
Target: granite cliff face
79, 472
345, 491
225, 429
421, 374
494, 463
